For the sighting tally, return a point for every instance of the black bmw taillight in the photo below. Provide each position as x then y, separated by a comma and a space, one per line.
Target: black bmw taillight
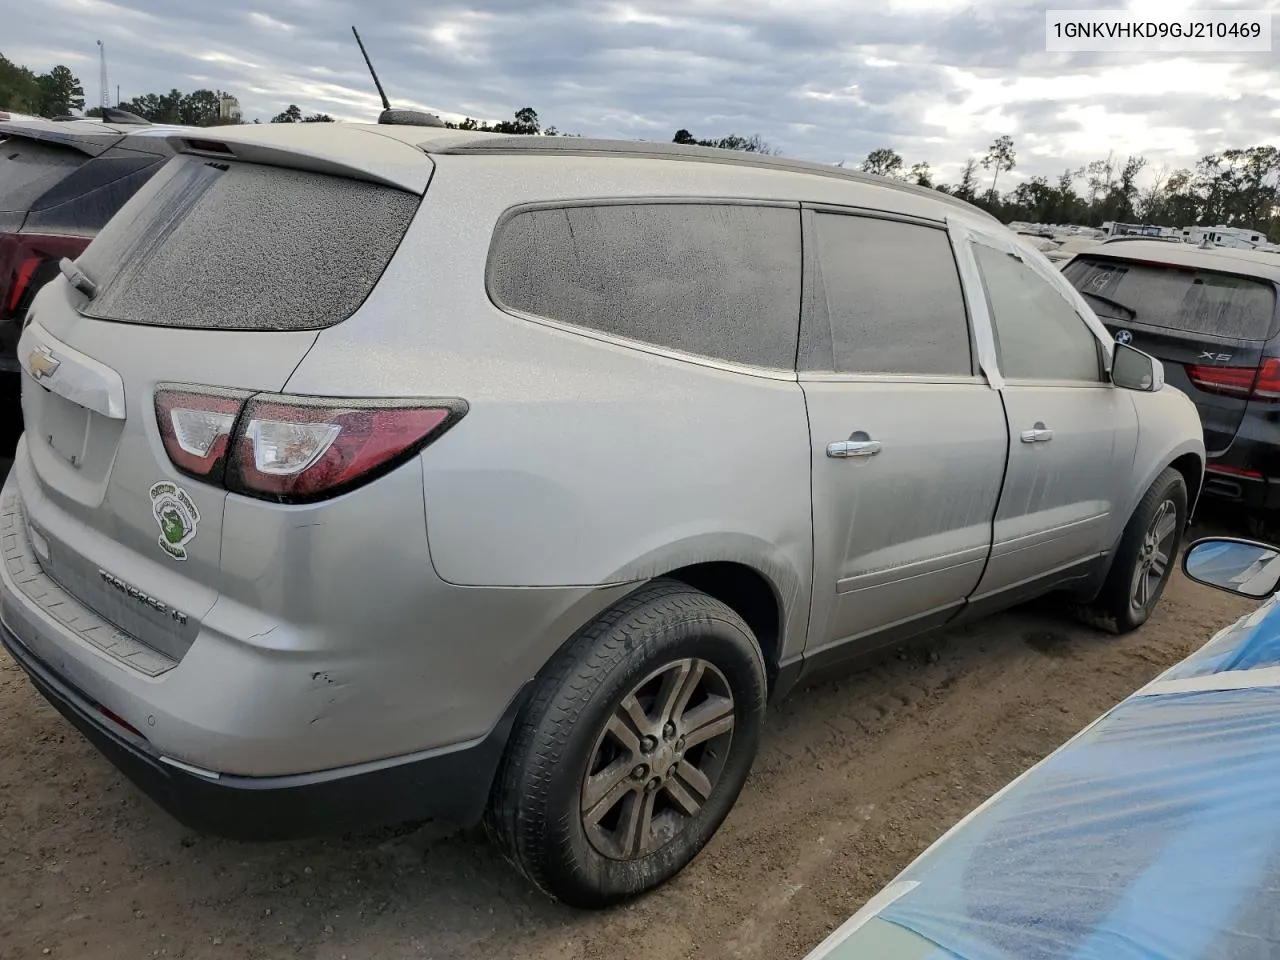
1254, 383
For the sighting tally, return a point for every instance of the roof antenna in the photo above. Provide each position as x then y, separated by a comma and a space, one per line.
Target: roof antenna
415, 118
386, 104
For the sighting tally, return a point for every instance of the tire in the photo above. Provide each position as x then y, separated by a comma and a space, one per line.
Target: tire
569, 835
1125, 602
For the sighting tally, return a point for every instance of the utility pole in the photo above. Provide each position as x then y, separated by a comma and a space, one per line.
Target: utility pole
104, 88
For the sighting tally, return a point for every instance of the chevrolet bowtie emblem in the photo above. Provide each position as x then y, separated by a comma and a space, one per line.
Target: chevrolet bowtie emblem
43, 364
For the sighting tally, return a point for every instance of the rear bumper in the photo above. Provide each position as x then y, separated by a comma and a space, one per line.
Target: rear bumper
1249, 493
451, 784
335, 674
296, 729
1247, 474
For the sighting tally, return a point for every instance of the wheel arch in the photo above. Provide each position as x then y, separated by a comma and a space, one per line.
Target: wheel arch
1154, 455
766, 584
1191, 466
748, 593
741, 571
1188, 460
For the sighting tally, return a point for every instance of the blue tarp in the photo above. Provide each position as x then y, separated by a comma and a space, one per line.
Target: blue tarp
1251, 642
1153, 834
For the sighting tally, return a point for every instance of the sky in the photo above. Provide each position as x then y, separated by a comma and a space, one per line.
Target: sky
824, 80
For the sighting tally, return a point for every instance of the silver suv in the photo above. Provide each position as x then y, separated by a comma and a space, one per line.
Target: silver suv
379, 472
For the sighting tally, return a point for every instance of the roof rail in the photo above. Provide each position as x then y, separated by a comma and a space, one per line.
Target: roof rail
645, 149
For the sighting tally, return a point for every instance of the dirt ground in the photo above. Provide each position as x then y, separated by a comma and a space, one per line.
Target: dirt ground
854, 779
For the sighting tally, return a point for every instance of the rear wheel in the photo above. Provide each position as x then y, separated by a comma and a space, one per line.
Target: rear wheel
634, 747
1145, 558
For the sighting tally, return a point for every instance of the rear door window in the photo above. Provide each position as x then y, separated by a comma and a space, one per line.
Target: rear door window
716, 280
1190, 301
28, 168
892, 299
240, 246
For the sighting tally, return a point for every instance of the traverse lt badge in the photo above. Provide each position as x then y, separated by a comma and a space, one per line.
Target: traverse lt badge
43, 363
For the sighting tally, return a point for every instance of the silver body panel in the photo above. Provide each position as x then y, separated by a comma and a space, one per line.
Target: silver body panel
1058, 506
943, 452
406, 614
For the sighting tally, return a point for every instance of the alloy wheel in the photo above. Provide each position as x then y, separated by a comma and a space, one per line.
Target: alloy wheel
657, 761
1154, 555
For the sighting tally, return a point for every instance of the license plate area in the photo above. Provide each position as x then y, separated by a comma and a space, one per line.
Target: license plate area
64, 426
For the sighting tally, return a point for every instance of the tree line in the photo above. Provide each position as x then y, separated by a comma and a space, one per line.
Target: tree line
752, 144
1237, 187
53, 94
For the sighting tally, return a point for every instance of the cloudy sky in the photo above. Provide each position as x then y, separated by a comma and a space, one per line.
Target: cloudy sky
825, 80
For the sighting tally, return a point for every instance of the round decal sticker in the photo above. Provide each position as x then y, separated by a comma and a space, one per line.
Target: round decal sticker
177, 515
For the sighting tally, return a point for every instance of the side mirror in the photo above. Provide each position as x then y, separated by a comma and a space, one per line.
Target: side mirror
1135, 370
1237, 566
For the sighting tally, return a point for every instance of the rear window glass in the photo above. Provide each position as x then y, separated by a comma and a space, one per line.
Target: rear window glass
29, 167
244, 247
717, 280
1193, 301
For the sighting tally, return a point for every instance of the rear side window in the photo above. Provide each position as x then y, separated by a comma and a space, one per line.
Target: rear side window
30, 167
716, 280
1192, 301
239, 246
893, 297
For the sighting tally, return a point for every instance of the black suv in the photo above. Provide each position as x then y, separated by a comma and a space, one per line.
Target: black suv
60, 182
1211, 315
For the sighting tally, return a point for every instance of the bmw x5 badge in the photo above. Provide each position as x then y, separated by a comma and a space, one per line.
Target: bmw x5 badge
1124, 336
177, 515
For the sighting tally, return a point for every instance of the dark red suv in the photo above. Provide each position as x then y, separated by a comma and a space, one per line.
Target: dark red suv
60, 182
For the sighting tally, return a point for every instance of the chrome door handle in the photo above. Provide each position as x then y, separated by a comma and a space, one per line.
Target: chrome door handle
1037, 434
853, 448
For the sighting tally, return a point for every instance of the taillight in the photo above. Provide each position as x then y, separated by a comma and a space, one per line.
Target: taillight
21, 279
1267, 386
294, 449
1256, 383
195, 425
1231, 381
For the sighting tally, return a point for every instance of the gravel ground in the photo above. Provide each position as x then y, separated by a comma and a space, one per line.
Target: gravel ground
854, 779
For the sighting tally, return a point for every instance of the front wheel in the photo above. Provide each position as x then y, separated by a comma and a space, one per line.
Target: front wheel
635, 745
1145, 558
